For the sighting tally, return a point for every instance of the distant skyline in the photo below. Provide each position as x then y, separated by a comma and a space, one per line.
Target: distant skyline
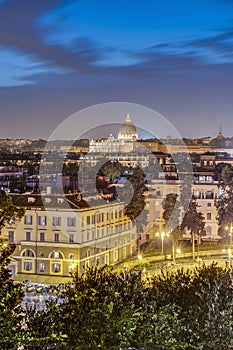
58, 57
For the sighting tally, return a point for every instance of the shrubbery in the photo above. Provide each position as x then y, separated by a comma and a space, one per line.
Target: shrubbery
103, 309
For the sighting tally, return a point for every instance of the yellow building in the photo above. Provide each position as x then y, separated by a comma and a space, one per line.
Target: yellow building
52, 240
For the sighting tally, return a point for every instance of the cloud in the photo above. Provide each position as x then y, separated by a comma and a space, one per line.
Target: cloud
17, 69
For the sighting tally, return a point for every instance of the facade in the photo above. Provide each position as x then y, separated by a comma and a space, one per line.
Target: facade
125, 142
54, 241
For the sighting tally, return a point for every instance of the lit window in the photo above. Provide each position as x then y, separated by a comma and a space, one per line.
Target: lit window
56, 255
27, 265
42, 220
42, 267
28, 220
56, 267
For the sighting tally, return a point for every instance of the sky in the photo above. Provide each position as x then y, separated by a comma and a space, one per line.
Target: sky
172, 56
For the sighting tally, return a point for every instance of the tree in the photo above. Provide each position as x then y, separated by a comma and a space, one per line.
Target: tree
97, 303
224, 204
135, 209
8, 211
194, 222
11, 295
171, 216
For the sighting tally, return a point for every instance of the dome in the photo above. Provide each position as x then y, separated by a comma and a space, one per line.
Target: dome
128, 131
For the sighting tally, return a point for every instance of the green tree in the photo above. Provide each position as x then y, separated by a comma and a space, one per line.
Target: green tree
171, 216
204, 298
194, 222
11, 295
135, 209
97, 303
8, 211
224, 204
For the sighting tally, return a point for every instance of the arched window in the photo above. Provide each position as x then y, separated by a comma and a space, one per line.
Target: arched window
56, 255
29, 253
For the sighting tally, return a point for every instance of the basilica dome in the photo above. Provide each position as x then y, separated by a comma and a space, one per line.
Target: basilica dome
128, 131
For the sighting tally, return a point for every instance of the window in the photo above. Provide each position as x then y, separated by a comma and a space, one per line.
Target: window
209, 230
11, 237
71, 222
27, 265
29, 253
56, 255
56, 267
93, 220
208, 216
42, 236
88, 220
71, 256
42, 267
208, 204
56, 237
56, 221
28, 220
28, 236
88, 253
42, 220
71, 238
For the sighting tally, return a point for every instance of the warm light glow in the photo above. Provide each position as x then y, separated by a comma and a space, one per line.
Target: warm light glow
178, 251
139, 257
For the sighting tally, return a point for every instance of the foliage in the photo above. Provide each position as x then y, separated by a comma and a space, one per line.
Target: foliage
135, 209
8, 211
224, 204
11, 296
205, 300
102, 309
171, 216
194, 221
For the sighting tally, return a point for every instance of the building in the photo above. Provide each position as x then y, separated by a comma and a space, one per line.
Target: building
52, 240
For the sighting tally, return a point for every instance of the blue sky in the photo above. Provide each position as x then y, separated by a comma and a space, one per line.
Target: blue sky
175, 56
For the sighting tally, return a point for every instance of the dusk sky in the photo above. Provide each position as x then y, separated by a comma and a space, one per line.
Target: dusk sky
174, 56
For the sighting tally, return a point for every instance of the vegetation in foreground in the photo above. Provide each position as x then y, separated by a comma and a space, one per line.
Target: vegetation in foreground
103, 309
